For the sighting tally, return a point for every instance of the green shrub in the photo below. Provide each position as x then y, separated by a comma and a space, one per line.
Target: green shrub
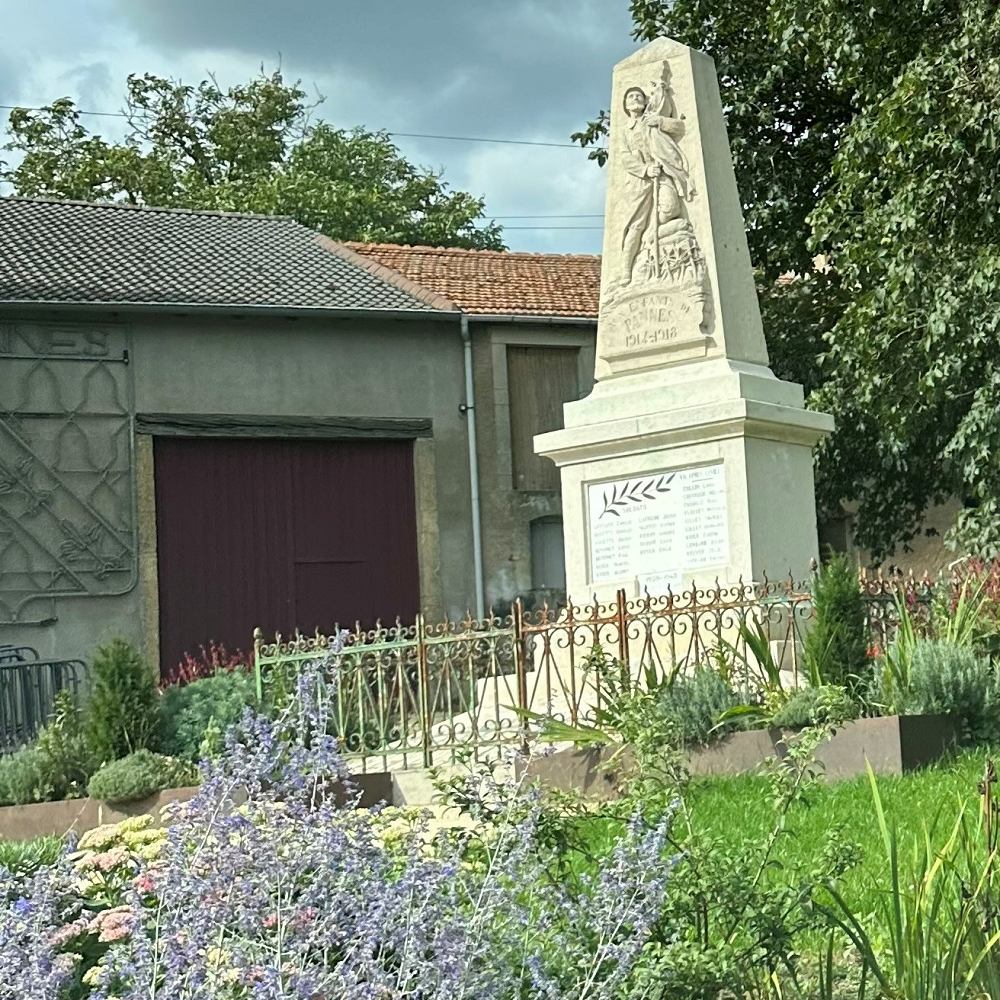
814, 706
123, 710
25, 857
56, 766
693, 703
946, 678
203, 708
836, 645
70, 760
140, 775
24, 778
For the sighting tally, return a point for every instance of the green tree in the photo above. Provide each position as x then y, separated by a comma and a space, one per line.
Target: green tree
872, 135
251, 148
911, 219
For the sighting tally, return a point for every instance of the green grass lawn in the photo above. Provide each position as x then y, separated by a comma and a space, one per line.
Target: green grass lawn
740, 809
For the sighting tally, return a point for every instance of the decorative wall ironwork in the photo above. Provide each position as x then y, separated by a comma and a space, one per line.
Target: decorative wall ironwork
415, 695
67, 486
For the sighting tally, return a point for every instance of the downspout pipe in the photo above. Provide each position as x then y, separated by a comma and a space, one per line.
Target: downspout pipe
469, 409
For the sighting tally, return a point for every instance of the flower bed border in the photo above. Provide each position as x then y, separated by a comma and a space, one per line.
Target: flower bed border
54, 819
892, 745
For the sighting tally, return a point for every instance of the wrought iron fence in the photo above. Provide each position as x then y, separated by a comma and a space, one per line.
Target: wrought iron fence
413, 695
28, 688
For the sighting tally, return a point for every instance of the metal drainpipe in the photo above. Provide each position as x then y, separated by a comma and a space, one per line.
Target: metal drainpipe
469, 409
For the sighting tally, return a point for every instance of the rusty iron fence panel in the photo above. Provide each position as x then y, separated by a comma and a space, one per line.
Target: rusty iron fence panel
413, 695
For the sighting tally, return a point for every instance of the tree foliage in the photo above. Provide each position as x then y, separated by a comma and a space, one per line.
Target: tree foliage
911, 220
872, 135
252, 148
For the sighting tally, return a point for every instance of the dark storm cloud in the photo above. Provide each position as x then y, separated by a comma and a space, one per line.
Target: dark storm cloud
518, 69
528, 67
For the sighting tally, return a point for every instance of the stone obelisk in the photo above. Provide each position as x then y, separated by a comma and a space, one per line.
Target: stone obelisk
689, 461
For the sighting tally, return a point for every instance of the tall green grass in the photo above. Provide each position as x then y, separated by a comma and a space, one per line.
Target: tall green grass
921, 807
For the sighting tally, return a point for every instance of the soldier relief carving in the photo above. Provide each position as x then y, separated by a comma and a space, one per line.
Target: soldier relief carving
661, 284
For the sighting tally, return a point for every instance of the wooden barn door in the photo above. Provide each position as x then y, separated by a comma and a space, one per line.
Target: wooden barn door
283, 534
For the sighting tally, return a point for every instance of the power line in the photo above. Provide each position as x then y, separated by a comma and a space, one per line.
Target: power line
472, 138
542, 215
97, 114
507, 229
403, 135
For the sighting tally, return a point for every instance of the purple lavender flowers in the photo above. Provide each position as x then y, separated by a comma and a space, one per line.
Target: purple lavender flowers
270, 884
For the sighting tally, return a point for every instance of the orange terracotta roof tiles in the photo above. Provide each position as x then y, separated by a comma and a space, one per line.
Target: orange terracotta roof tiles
498, 282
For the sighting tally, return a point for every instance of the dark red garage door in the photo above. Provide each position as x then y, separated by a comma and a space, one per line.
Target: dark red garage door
282, 534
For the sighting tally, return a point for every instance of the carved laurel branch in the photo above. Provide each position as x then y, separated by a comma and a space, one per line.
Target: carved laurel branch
634, 491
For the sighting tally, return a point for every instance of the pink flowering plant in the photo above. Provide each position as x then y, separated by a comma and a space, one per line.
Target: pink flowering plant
270, 883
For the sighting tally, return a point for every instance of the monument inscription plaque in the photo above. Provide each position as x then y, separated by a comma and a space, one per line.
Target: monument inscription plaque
658, 526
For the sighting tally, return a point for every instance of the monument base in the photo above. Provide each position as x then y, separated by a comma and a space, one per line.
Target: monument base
689, 474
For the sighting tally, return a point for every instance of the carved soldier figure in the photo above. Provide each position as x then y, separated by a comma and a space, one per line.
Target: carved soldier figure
657, 182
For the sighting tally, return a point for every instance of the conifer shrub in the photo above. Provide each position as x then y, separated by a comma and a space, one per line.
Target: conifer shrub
836, 645
122, 713
190, 711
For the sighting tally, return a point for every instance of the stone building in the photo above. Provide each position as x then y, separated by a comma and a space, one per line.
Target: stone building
533, 319
213, 421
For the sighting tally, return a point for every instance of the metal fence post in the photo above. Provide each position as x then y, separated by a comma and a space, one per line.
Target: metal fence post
258, 638
423, 680
622, 622
520, 670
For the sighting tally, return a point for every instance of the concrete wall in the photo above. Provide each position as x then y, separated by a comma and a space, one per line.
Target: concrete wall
194, 364
926, 553
507, 513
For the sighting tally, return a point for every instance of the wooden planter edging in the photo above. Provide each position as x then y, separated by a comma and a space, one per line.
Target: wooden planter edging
892, 745
54, 819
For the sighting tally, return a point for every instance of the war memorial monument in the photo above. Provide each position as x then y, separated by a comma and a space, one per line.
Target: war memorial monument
690, 461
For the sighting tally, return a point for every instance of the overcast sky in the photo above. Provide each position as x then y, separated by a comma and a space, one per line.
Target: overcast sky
512, 69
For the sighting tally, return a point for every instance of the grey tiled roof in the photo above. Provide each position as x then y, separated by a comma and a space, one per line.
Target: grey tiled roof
71, 252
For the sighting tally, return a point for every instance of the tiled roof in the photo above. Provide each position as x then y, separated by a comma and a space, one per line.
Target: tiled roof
497, 281
72, 252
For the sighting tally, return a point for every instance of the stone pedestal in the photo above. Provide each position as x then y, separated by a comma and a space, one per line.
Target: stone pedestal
690, 461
